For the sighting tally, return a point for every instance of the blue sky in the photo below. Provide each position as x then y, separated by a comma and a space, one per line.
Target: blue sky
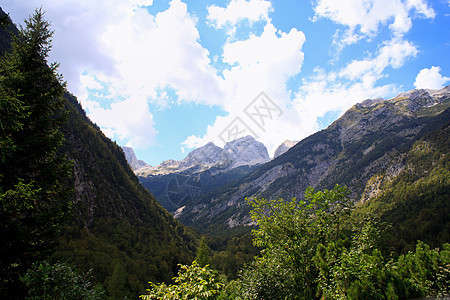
166, 77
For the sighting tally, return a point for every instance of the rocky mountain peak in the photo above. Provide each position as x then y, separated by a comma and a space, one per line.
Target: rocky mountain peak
132, 159
205, 156
246, 151
241, 152
370, 102
285, 146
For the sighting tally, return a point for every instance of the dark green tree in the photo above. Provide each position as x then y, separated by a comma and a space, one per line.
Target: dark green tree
34, 175
117, 283
203, 254
59, 281
4, 21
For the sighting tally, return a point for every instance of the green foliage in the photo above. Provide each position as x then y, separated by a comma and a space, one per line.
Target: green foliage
289, 232
34, 176
316, 249
122, 256
59, 281
354, 272
117, 283
415, 201
192, 282
227, 254
423, 273
203, 254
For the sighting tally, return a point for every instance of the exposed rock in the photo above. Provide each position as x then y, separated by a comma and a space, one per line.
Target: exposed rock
285, 146
132, 159
364, 142
245, 151
204, 157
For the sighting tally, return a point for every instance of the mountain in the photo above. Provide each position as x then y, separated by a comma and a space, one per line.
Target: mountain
132, 159
412, 193
285, 146
245, 151
177, 183
360, 144
116, 221
117, 228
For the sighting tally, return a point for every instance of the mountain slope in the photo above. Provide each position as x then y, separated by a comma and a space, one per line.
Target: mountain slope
117, 223
349, 152
412, 194
118, 229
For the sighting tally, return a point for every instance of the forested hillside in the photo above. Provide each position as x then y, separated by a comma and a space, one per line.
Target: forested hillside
349, 152
119, 230
111, 224
413, 193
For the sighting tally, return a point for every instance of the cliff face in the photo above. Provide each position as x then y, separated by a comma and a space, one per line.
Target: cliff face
132, 159
245, 151
362, 143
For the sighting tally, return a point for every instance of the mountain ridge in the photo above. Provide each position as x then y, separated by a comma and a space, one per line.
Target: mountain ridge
353, 148
240, 152
114, 222
134, 163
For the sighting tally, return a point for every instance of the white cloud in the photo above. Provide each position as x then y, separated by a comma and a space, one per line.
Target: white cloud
153, 53
430, 79
142, 2
391, 54
260, 63
237, 11
129, 119
118, 46
363, 18
357, 81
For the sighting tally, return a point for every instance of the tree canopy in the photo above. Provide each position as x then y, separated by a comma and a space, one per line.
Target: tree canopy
34, 175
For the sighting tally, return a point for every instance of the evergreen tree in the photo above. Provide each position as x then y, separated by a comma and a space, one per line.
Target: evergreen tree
34, 176
203, 254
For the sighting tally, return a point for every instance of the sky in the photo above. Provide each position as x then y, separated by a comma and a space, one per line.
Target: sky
166, 77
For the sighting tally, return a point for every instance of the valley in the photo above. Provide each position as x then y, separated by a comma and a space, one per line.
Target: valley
367, 140
357, 210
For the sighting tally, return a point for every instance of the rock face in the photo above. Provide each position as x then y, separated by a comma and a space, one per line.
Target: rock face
177, 184
285, 146
203, 157
245, 151
365, 141
132, 159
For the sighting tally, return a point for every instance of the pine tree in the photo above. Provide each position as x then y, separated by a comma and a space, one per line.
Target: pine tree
34, 176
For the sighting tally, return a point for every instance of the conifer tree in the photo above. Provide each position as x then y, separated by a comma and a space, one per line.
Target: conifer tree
34, 176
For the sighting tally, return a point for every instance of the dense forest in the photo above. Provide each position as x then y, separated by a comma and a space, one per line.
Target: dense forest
317, 248
67, 193
76, 224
